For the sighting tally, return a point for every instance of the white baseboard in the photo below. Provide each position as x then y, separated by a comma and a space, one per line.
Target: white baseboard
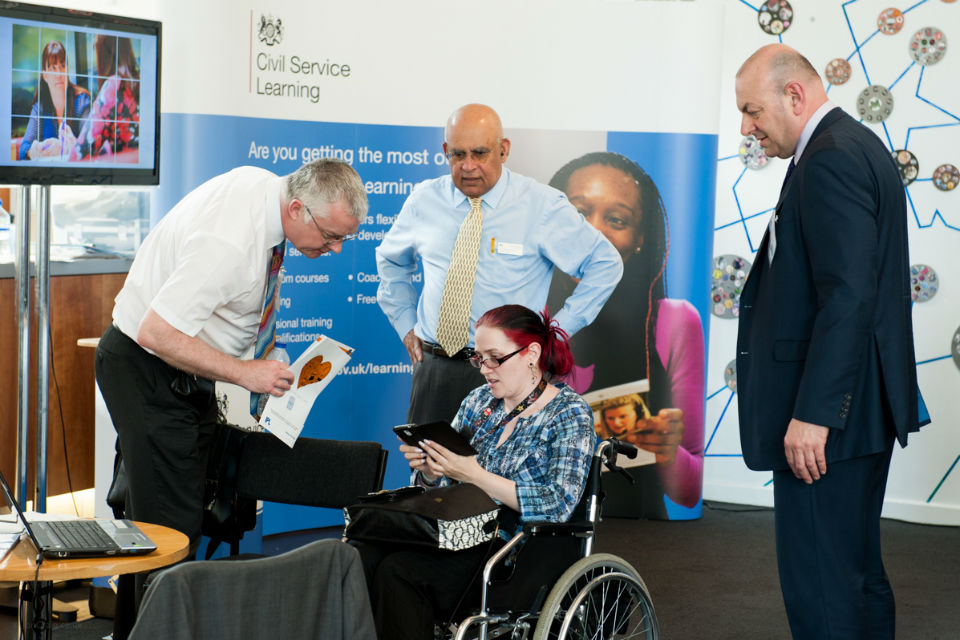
922, 512
897, 509
739, 494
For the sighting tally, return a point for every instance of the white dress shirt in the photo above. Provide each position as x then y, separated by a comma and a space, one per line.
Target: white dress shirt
203, 268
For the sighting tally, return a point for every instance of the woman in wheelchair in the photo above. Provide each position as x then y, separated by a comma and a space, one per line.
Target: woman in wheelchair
534, 442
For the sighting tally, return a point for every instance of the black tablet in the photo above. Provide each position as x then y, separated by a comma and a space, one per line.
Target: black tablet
440, 432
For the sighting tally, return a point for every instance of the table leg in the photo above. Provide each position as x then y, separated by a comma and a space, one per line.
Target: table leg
36, 609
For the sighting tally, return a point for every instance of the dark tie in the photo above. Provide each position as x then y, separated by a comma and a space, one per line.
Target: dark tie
773, 219
786, 178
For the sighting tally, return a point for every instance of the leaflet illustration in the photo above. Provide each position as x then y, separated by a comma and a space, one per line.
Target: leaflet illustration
285, 416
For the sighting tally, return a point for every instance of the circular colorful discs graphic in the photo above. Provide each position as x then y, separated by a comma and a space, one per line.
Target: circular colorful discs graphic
890, 21
775, 16
730, 375
838, 71
907, 164
955, 348
729, 274
875, 103
923, 282
928, 45
752, 154
946, 177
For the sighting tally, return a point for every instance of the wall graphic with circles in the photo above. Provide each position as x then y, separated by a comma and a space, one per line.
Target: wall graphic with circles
890, 67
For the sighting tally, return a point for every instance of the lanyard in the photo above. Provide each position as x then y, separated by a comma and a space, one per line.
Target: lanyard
526, 402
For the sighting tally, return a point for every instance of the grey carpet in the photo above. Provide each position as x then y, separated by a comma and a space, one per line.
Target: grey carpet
716, 577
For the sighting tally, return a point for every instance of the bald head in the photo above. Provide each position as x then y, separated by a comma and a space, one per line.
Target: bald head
474, 144
474, 116
781, 65
778, 90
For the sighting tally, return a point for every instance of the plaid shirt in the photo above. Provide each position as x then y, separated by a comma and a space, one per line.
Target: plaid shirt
547, 455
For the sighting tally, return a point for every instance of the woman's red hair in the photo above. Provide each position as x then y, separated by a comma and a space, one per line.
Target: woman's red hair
523, 327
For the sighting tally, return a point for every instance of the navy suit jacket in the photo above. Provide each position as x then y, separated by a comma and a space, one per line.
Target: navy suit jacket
825, 330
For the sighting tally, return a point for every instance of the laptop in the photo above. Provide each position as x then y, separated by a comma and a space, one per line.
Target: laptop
79, 538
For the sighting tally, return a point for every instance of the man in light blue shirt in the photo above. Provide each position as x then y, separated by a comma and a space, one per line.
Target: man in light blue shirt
528, 229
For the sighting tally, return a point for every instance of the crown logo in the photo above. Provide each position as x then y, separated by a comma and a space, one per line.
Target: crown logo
270, 31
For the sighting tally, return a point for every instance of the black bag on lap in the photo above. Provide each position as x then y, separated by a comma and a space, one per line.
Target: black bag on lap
451, 518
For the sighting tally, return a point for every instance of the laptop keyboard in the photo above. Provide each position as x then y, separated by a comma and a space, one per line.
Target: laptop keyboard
82, 534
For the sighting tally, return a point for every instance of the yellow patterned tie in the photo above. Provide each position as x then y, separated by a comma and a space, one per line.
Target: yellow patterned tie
453, 323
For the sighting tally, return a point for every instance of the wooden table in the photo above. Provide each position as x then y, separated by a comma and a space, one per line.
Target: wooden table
20, 564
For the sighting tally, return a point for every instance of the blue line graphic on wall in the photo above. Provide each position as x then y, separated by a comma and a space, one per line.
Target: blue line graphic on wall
940, 120
943, 479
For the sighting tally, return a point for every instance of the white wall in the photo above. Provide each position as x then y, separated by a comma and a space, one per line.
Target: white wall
822, 33
565, 64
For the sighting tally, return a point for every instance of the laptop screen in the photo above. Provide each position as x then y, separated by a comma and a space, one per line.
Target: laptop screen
10, 528
11, 506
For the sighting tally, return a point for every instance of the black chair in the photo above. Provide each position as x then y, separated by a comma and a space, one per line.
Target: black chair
315, 472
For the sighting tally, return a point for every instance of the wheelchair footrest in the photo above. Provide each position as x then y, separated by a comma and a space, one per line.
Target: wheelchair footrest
476, 621
558, 528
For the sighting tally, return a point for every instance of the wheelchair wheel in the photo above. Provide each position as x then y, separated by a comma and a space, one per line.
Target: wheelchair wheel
600, 596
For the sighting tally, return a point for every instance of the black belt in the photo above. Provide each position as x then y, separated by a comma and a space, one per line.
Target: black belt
464, 354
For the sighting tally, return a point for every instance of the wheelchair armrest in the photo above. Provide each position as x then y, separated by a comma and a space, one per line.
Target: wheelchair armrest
509, 520
558, 528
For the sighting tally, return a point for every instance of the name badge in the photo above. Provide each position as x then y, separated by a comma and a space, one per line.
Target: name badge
510, 248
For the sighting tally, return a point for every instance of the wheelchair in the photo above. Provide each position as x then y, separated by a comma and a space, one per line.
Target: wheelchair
597, 596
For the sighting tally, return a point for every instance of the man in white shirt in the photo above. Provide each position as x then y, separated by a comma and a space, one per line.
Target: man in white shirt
190, 309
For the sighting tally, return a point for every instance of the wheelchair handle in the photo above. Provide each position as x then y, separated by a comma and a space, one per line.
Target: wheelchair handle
608, 450
624, 448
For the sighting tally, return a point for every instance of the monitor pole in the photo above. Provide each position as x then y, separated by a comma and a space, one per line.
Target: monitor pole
42, 284
22, 274
21, 269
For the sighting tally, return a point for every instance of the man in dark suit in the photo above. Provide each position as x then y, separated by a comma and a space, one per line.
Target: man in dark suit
826, 373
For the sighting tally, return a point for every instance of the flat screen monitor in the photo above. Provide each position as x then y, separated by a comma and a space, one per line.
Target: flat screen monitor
79, 97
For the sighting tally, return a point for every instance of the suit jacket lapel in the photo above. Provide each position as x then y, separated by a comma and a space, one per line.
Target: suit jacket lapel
832, 117
762, 250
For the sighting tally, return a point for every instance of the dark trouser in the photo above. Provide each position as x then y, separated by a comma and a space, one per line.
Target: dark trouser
439, 386
828, 551
163, 436
412, 589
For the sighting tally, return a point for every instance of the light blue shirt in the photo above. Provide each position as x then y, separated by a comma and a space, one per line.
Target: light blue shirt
528, 228
809, 128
